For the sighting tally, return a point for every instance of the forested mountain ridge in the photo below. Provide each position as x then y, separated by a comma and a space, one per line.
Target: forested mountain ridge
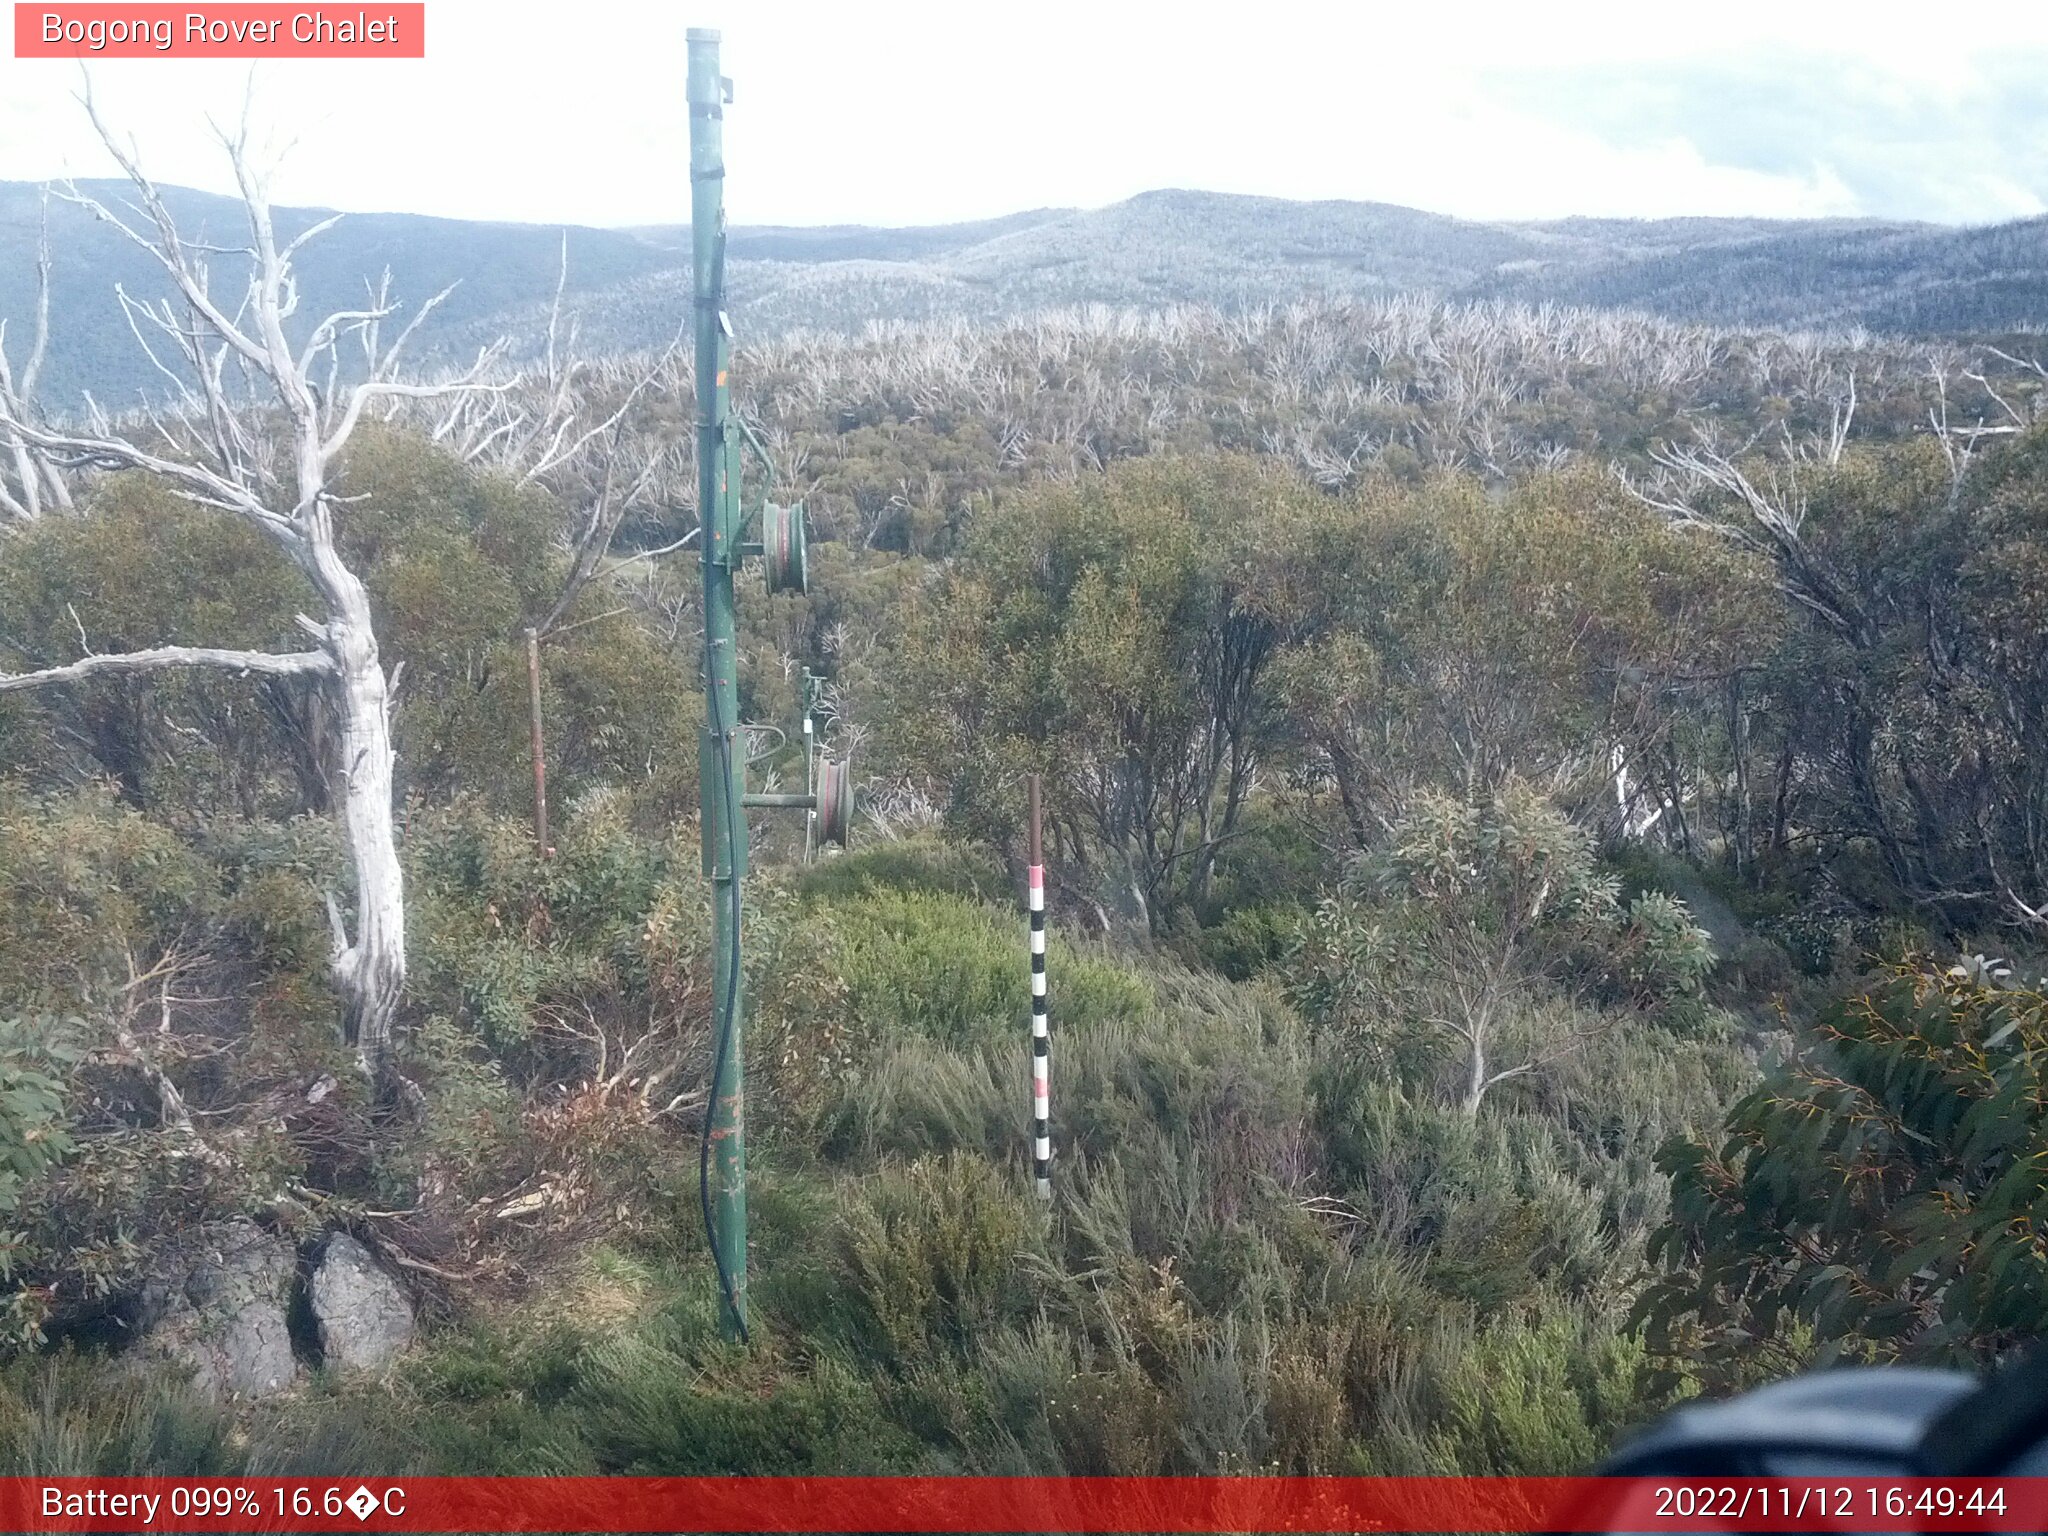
1230, 251
494, 267
626, 289
1914, 279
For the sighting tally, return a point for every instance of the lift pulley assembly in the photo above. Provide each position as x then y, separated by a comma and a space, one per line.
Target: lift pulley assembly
783, 549
835, 800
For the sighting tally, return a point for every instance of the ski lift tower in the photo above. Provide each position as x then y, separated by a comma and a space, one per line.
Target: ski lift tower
781, 544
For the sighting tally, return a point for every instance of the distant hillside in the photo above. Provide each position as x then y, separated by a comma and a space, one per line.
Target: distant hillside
1167, 247
1889, 277
628, 288
859, 242
497, 266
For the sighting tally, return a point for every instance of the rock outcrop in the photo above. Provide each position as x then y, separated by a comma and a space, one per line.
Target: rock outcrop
220, 1306
363, 1315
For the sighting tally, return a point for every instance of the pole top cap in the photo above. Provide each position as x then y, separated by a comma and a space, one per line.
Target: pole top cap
702, 34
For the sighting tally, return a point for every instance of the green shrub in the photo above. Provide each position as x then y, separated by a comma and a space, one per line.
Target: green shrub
1217, 1069
917, 1096
34, 1136
1273, 862
648, 1411
1061, 1406
1468, 951
932, 1251
1516, 1396
921, 865
87, 884
513, 946
58, 1418
1249, 940
958, 972
1486, 1205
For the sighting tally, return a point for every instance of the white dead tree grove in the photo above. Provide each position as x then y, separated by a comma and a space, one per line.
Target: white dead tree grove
577, 427
28, 480
254, 426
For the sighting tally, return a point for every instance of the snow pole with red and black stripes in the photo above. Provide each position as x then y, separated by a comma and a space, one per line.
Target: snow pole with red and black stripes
1041, 1033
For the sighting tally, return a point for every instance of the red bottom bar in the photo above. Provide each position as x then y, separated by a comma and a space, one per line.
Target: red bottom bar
1021, 1504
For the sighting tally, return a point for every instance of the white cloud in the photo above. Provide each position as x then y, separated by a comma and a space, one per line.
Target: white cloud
912, 112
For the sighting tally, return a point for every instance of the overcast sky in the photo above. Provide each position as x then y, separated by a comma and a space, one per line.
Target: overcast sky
897, 112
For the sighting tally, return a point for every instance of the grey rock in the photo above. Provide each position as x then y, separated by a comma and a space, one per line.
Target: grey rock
218, 1305
364, 1316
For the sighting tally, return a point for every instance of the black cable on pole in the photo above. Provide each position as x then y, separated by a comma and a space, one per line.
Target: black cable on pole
707, 516
726, 1285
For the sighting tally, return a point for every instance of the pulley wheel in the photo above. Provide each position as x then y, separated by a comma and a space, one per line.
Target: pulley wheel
835, 800
783, 553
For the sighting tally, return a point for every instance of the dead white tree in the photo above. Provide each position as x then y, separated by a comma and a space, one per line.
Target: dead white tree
1763, 510
254, 428
28, 480
573, 427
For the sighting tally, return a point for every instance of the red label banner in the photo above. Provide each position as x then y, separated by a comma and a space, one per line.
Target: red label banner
1021, 1504
380, 30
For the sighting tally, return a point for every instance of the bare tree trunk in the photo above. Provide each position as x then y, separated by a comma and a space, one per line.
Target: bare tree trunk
540, 755
1738, 742
1475, 1076
1781, 801
34, 475
370, 972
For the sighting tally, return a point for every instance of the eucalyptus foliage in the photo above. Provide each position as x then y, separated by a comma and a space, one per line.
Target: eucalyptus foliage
1883, 1190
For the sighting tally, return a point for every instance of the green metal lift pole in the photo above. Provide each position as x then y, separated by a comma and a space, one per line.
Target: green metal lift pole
722, 759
